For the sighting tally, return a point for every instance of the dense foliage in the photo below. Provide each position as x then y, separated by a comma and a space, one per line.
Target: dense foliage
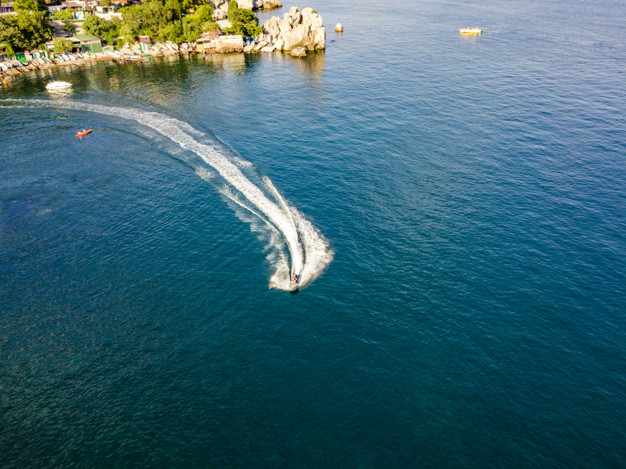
244, 22
29, 28
167, 20
162, 20
106, 30
62, 45
62, 15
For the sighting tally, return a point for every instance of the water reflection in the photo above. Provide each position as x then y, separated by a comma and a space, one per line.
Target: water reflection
166, 80
231, 63
313, 65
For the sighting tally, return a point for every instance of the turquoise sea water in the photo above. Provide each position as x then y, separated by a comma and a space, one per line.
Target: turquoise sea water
457, 205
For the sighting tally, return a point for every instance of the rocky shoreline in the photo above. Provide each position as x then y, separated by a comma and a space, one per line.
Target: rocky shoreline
299, 32
78, 59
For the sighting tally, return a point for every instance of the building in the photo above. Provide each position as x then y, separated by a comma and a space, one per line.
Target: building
88, 43
229, 44
6, 6
145, 43
89, 5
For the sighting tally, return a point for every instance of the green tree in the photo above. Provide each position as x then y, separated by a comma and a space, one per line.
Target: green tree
233, 6
167, 20
34, 29
28, 29
107, 30
30, 5
244, 22
62, 15
8, 50
189, 5
203, 14
62, 45
9, 32
69, 27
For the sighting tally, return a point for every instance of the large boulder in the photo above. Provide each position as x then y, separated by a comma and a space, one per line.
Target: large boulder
266, 4
285, 26
272, 26
297, 29
220, 9
293, 16
293, 39
246, 4
258, 4
298, 52
224, 24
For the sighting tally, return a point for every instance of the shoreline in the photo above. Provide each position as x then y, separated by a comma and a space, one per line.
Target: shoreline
131, 56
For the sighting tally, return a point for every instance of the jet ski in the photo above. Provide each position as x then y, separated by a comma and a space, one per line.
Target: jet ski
295, 281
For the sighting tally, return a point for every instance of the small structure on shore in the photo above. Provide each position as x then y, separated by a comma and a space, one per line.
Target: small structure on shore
229, 44
144, 43
89, 43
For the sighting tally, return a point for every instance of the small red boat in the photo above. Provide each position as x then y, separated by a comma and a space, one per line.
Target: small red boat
83, 132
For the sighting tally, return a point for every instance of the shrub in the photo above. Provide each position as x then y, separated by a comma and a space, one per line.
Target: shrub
62, 45
107, 30
244, 22
63, 15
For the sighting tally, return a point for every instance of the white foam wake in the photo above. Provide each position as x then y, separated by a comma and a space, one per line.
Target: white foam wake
308, 250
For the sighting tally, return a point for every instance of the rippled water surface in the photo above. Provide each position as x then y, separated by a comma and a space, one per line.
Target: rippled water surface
456, 205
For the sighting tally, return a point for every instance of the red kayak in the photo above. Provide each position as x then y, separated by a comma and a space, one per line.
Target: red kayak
84, 132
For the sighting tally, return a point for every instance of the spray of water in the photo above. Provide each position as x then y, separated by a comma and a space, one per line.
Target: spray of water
258, 204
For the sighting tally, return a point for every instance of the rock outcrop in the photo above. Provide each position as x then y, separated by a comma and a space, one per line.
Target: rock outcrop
220, 9
259, 4
297, 29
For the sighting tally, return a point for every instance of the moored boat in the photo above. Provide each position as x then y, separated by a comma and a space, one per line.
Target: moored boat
58, 85
474, 30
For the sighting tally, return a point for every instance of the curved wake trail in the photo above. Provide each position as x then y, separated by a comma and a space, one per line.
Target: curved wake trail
308, 249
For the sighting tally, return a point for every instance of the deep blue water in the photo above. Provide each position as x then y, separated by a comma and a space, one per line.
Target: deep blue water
458, 203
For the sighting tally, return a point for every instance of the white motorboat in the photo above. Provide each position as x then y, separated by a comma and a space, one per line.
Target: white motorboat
57, 85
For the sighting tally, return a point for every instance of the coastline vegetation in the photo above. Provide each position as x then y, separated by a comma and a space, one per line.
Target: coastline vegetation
28, 28
163, 20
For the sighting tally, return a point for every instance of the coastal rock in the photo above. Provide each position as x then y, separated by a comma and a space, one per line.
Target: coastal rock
219, 15
258, 4
245, 4
293, 16
294, 38
267, 4
220, 9
284, 26
272, 26
224, 24
339, 27
298, 52
297, 29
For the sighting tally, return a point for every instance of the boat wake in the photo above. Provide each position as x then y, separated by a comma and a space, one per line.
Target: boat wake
294, 244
